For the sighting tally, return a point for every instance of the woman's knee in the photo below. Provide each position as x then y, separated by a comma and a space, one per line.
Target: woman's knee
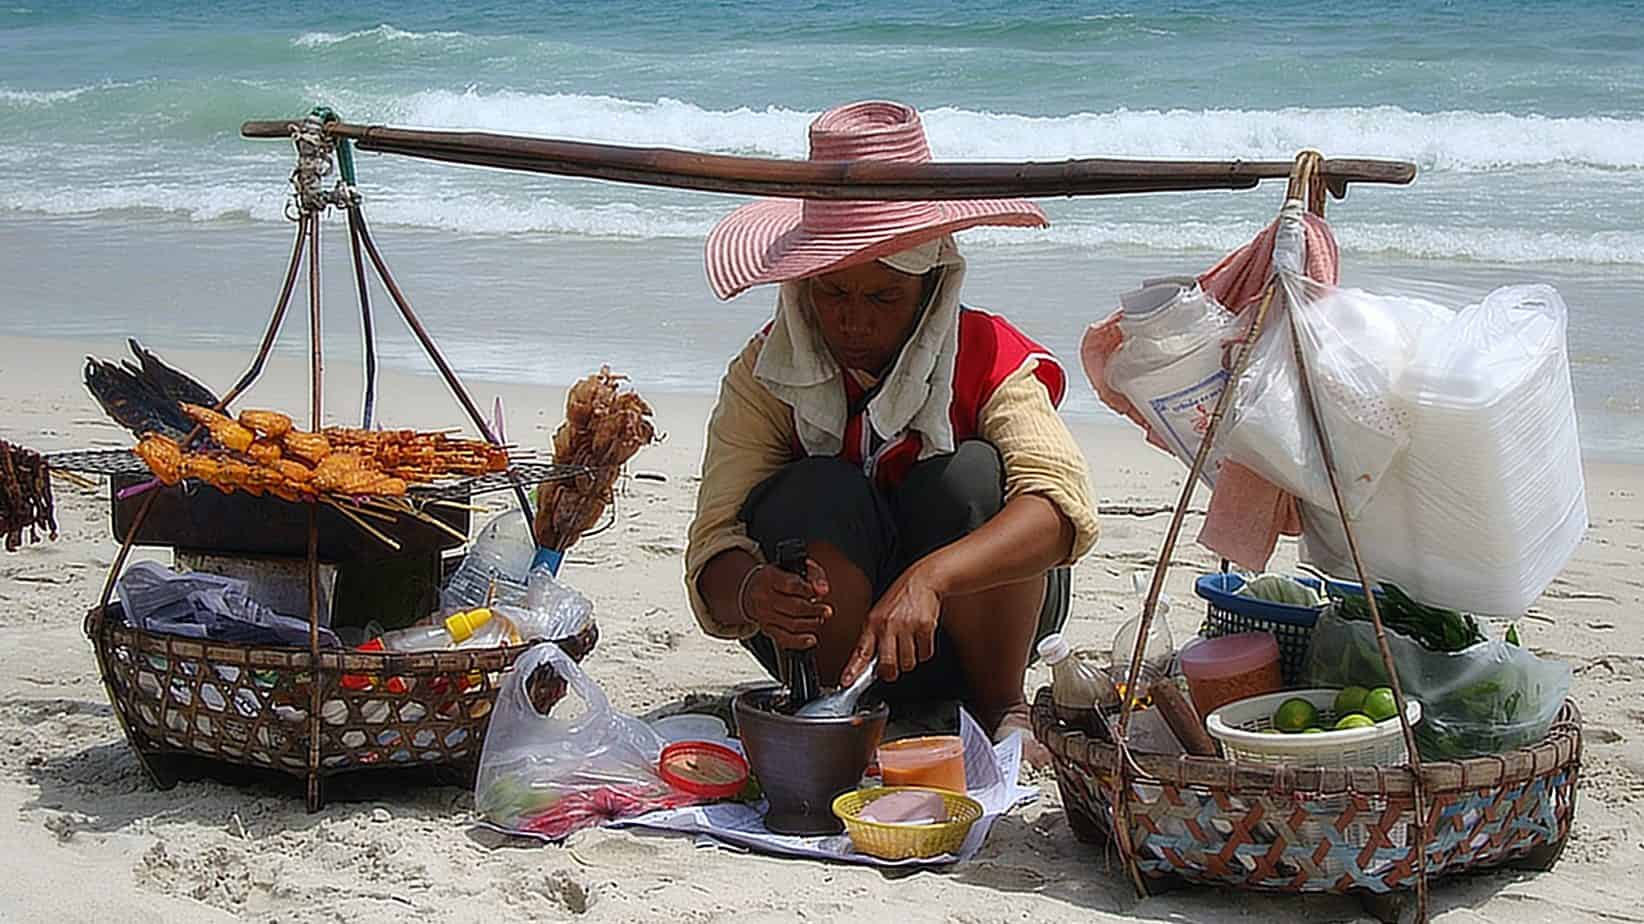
821, 499
947, 497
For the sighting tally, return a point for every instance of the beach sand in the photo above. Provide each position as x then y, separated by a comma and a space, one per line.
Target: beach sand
84, 836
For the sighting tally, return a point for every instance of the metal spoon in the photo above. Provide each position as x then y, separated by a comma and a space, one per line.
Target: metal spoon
842, 702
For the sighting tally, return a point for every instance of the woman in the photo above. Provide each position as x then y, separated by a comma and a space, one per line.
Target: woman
913, 444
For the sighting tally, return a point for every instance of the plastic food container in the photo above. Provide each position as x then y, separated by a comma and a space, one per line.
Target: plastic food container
1242, 728
702, 768
1230, 668
937, 762
691, 727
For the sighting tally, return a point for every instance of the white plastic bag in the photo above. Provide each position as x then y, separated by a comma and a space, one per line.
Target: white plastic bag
1356, 345
1488, 502
549, 775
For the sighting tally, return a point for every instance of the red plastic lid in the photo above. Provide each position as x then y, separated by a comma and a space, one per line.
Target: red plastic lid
703, 768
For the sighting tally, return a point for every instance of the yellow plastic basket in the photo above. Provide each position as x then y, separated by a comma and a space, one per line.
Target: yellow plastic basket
904, 842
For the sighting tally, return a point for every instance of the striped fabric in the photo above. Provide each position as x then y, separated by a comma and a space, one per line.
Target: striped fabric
775, 240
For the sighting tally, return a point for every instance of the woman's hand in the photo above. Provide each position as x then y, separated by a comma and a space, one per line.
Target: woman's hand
901, 628
785, 606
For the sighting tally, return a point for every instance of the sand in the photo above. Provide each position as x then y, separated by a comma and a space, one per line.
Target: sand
84, 836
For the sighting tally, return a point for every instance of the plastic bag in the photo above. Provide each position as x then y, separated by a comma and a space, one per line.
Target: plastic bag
1487, 503
1356, 345
1486, 699
553, 609
550, 775
206, 606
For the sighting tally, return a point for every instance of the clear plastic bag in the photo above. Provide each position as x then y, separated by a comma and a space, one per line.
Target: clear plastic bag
1488, 698
549, 775
1487, 503
1356, 344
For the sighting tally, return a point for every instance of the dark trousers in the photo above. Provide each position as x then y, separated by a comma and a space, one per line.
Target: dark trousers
822, 499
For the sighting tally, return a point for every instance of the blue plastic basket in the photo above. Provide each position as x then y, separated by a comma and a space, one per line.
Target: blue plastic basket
1228, 613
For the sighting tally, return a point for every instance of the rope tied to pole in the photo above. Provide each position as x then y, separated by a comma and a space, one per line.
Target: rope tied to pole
318, 155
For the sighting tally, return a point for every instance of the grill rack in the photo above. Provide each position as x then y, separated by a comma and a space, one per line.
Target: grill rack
117, 462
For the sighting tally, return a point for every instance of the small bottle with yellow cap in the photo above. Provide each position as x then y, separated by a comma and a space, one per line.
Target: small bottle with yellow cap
476, 628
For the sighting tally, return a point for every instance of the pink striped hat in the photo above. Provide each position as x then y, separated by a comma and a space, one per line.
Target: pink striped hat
776, 240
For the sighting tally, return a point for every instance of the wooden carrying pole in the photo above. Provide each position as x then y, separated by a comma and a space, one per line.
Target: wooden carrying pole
759, 176
1306, 186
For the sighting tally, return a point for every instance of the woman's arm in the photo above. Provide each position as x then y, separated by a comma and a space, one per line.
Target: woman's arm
750, 436
1047, 521
1024, 540
746, 594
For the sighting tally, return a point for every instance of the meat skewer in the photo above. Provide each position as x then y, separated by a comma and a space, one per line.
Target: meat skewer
25, 496
605, 425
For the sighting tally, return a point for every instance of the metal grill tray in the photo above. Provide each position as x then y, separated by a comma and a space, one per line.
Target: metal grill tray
117, 462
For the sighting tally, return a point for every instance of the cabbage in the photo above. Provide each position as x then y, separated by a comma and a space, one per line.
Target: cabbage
1279, 588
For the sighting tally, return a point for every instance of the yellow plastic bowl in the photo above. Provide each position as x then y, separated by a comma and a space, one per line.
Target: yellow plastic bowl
905, 842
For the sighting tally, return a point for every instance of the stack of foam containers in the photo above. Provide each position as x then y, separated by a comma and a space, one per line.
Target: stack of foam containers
1488, 503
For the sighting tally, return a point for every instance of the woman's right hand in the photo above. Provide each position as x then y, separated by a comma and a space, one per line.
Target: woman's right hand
787, 607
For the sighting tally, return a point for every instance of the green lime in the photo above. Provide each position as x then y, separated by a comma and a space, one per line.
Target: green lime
1315, 730
1379, 704
1350, 699
1354, 720
1295, 714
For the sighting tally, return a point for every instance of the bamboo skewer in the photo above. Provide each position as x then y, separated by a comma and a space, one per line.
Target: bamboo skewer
357, 520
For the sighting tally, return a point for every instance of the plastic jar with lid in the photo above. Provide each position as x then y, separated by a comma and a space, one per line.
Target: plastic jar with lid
1229, 668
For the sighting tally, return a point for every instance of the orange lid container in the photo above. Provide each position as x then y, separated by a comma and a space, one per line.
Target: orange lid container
937, 761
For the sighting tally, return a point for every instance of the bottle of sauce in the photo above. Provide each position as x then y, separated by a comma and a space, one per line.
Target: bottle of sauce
1077, 689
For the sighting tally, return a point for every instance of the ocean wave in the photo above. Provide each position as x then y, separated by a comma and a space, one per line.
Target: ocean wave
381, 33
475, 212
23, 98
1460, 141
1386, 239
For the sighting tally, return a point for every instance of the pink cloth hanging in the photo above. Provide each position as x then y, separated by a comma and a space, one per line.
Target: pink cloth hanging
1247, 513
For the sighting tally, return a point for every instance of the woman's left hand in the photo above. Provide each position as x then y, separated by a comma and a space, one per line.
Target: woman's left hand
901, 628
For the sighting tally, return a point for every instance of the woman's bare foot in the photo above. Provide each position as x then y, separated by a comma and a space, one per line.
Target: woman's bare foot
1017, 718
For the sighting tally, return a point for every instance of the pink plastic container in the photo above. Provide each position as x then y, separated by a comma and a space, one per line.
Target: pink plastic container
1230, 668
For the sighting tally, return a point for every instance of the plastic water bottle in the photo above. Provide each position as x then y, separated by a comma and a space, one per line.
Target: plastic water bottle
1078, 690
501, 552
1160, 653
468, 629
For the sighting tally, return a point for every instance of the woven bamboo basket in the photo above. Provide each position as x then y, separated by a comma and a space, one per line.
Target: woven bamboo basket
250, 706
1312, 829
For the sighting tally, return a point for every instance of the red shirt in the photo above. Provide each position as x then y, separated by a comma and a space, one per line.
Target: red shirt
991, 350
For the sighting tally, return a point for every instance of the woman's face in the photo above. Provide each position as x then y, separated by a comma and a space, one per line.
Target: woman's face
866, 313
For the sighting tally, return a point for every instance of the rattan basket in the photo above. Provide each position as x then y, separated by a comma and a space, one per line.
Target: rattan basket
1316, 829
277, 709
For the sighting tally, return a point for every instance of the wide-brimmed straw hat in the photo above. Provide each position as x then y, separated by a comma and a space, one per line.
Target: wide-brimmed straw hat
776, 240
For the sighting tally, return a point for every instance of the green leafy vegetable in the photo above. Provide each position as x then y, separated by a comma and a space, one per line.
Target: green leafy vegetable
1433, 628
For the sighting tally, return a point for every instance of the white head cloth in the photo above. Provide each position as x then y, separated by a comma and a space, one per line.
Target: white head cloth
916, 395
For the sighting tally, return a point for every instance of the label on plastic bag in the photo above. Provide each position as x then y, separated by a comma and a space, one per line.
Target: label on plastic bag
1183, 416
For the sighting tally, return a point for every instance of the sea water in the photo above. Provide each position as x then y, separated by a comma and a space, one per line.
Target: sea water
130, 205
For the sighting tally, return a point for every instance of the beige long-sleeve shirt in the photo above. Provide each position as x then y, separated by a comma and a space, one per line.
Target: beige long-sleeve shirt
751, 436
